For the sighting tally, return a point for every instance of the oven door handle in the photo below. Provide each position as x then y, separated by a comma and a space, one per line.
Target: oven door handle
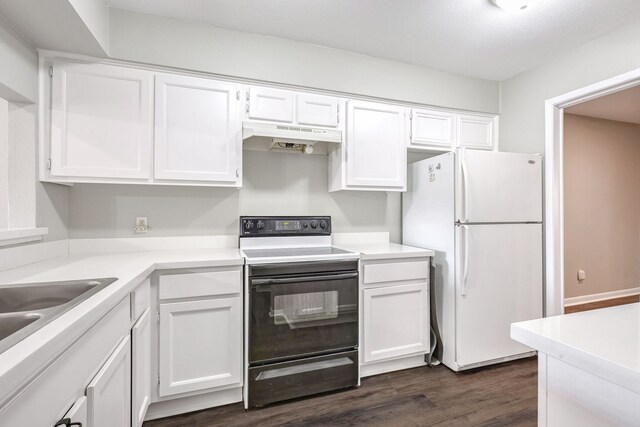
285, 280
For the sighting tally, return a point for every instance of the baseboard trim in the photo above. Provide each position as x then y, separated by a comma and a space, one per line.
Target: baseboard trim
199, 402
384, 366
586, 299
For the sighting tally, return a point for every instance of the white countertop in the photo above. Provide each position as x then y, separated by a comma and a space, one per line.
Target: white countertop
23, 361
386, 250
604, 342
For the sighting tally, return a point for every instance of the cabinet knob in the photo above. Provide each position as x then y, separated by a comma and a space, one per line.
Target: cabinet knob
66, 422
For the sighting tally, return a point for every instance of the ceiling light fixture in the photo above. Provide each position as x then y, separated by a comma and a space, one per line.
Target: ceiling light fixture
513, 6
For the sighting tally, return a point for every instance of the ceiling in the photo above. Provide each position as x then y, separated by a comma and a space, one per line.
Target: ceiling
623, 106
468, 37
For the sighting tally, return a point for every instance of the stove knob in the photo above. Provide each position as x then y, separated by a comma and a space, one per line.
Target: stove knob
323, 224
305, 225
248, 225
260, 225
314, 224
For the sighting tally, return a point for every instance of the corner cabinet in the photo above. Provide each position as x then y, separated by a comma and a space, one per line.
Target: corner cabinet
101, 122
373, 155
197, 130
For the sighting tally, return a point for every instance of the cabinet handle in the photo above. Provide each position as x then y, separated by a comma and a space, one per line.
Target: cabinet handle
66, 422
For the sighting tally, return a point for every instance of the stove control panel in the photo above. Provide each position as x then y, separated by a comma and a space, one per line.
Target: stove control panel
285, 226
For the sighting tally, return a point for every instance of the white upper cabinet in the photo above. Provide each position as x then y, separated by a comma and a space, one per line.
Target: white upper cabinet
270, 104
376, 155
477, 131
197, 130
101, 121
431, 128
317, 110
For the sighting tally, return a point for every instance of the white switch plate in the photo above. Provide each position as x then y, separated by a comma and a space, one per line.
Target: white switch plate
581, 275
141, 225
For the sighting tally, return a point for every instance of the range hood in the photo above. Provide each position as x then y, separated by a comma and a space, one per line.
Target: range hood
282, 137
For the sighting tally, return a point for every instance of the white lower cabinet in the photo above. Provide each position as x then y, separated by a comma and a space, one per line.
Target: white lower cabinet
396, 322
140, 368
200, 345
109, 393
88, 383
395, 315
77, 415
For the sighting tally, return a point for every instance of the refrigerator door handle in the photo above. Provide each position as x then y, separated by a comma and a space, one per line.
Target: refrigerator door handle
465, 270
465, 186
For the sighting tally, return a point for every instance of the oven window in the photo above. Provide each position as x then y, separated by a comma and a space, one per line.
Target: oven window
305, 310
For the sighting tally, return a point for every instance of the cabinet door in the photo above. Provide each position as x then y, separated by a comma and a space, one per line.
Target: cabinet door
317, 110
109, 393
476, 131
197, 129
100, 121
376, 148
396, 321
78, 412
431, 129
200, 345
140, 368
271, 104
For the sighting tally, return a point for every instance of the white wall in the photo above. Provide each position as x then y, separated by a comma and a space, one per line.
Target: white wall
274, 184
195, 46
523, 96
18, 72
18, 76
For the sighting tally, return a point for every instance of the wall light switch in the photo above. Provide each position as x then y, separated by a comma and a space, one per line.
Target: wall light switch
141, 225
581, 275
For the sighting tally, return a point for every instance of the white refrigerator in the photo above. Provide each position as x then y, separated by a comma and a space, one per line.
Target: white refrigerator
481, 212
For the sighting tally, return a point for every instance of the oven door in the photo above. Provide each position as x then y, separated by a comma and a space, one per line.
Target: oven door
302, 314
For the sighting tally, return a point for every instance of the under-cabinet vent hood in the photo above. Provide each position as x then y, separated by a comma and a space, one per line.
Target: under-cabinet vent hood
281, 137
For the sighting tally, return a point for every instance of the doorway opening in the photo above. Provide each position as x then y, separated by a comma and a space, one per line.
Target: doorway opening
592, 211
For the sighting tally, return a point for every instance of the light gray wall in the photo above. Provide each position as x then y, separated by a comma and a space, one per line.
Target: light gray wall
18, 75
274, 184
523, 96
194, 46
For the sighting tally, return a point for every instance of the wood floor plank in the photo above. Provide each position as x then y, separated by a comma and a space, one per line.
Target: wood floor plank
602, 304
500, 395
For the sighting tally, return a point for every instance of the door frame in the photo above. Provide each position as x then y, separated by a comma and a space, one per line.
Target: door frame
554, 182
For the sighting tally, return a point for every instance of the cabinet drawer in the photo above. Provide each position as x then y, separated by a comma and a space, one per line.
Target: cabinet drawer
396, 271
203, 284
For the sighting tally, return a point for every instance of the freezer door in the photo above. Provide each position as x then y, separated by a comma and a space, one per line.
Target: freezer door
498, 187
498, 282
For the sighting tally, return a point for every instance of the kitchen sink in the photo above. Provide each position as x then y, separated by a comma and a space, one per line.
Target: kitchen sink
13, 322
25, 308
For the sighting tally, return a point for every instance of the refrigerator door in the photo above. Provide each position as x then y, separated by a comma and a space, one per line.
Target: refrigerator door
498, 187
498, 282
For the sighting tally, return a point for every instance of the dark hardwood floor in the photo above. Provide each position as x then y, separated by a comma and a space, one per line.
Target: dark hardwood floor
501, 395
602, 304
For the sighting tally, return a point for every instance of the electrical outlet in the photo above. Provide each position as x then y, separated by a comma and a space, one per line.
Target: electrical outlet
581, 275
141, 225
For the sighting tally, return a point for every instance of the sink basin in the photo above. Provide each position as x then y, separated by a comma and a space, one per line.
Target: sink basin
38, 296
12, 323
25, 308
